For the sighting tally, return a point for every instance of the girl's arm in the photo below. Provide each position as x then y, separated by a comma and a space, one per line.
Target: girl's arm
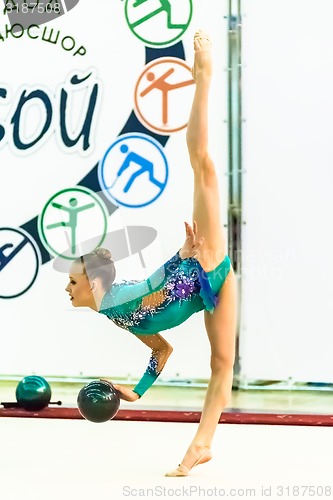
161, 351
155, 282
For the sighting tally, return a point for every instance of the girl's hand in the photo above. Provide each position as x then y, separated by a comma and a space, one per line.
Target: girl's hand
126, 393
123, 392
191, 245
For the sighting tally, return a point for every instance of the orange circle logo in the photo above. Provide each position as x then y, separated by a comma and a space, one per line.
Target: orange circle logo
163, 95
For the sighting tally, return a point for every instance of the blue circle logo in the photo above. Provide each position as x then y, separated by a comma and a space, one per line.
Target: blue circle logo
134, 171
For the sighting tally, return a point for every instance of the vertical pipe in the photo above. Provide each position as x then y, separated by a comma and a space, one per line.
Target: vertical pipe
235, 154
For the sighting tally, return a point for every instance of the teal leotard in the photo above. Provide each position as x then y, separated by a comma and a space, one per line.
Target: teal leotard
187, 289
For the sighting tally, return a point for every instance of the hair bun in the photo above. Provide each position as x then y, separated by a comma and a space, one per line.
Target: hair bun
104, 253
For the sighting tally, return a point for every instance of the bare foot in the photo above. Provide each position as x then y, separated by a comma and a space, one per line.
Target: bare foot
202, 55
195, 455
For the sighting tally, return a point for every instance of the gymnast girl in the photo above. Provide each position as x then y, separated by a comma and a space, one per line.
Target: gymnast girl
198, 277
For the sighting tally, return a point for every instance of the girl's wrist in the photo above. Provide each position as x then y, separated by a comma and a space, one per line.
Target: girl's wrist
180, 254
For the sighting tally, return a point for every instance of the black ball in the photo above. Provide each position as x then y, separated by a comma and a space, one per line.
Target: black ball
98, 401
33, 393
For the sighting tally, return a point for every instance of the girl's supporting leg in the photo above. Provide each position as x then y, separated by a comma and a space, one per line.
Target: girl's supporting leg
221, 325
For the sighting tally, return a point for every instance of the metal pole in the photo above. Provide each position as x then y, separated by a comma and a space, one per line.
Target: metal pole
235, 155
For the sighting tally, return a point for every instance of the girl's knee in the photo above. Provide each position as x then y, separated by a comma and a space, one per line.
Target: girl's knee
223, 363
202, 162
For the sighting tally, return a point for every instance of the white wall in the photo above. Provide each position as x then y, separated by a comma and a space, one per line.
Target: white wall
287, 266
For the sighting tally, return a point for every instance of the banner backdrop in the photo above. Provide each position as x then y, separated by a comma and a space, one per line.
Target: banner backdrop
94, 103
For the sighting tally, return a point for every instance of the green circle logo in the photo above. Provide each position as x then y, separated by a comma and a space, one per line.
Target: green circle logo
158, 25
69, 219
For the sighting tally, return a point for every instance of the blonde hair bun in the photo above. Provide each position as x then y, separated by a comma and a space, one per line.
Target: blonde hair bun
104, 253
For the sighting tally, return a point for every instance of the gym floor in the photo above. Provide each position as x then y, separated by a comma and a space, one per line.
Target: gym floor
50, 458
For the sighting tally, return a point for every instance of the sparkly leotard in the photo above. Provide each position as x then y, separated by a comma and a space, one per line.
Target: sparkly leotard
187, 289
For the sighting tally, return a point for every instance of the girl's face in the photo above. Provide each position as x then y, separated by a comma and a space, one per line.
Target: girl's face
79, 288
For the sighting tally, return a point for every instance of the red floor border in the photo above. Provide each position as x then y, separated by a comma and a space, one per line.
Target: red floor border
236, 417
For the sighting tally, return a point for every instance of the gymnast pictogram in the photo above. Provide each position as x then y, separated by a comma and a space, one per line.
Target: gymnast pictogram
165, 7
145, 166
73, 211
165, 87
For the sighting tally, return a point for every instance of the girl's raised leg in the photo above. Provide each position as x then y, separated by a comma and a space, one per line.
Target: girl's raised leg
206, 198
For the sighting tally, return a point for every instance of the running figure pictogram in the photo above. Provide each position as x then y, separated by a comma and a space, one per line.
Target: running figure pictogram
73, 211
165, 7
165, 87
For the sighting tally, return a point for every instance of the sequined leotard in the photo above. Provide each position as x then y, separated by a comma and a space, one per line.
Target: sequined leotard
187, 289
